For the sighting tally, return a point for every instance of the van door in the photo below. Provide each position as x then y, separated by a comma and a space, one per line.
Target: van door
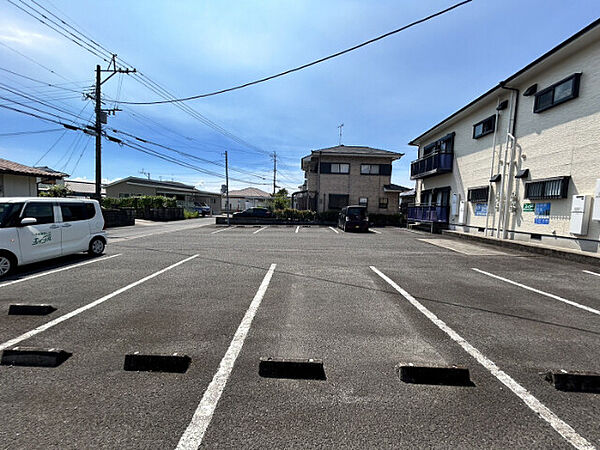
75, 227
41, 240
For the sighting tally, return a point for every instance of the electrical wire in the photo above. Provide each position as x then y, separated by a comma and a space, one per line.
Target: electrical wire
303, 66
56, 86
33, 61
22, 133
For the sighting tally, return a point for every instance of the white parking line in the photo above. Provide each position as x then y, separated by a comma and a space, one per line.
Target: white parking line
260, 229
375, 231
223, 229
67, 316
563, 428
129, 238
31, 277
334, 230
193, 435
592, 273
537, 291
297, 229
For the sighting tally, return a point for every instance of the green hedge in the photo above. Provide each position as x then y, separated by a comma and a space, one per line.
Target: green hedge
190, 214
328, 216
294, 214
145, 201
381, 220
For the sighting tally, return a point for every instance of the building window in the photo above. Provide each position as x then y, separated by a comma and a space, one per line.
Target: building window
338, 201
363, 201
558, 93
550, 188
479, 194
383, 202
375, 169
342, 168
486, 126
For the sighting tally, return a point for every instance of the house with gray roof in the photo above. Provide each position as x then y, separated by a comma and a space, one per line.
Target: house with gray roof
348, 175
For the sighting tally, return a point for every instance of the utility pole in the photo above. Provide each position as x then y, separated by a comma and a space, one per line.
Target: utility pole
227, 184
274, 172
101, 117
98, 130
340, 126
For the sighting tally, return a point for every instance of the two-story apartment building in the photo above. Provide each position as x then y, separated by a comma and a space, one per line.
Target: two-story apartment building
522, 161
349, 175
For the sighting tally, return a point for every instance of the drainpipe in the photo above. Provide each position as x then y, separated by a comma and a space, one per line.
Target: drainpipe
503, 178
510, 136
489, 201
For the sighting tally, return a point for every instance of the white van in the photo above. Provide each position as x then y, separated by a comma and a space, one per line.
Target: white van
37, 228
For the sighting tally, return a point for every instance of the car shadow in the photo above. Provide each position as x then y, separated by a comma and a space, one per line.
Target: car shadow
44, 266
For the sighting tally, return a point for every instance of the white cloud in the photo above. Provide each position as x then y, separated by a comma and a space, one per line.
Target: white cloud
14, 34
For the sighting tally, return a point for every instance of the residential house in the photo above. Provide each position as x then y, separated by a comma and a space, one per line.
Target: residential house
349, 175
522, 161
245, 198
18, 180
186, 195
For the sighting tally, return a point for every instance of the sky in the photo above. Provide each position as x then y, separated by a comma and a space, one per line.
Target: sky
385, 94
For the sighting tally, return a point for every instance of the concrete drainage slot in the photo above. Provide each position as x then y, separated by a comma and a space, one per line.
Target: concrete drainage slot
574, 381
438, 375
157, 363
298, 369
34, 357
30, 310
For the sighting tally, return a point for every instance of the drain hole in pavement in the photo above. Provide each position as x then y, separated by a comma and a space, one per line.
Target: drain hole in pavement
437, 375
157, 363
298, 369
574, 381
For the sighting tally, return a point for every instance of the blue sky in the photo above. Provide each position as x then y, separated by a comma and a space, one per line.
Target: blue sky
385, 94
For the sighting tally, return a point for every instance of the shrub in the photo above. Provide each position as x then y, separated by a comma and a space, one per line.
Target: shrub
187, 214
141, 202
382, 220
328, 216
57, 191
294, 214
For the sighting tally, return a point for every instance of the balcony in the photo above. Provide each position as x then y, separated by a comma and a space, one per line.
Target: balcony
433, 164
428, 213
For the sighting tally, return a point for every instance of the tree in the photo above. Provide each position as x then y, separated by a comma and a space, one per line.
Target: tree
57, 191
280, 200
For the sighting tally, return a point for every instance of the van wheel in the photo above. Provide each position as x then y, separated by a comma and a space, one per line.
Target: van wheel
96, 247
7, 264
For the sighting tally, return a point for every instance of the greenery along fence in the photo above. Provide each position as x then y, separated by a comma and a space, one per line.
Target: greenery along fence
141, 202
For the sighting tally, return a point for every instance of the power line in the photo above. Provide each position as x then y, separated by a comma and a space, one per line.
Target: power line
22, 133
33, 61
39, 81
304, 66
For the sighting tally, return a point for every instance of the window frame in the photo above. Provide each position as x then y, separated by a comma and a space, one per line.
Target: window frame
541, 188
370, 166
27, 204
575, 78
491, 118
326, 168
384, 201
365, 203
475, 194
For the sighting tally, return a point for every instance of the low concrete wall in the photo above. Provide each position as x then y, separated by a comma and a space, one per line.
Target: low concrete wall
264, 221
572, 255
118, 217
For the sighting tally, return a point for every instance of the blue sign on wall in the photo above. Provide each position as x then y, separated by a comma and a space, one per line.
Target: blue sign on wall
542, 220
481, 209
542, 209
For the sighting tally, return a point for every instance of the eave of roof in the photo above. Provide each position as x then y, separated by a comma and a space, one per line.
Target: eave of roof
546, 55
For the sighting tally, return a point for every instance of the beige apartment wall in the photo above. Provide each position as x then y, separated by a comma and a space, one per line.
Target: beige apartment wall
18, 186
563, 140
355, 184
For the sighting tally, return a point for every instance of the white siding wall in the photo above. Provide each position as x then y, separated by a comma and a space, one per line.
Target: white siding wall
563, 140
18, 186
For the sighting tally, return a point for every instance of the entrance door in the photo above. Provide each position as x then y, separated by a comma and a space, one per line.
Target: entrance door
41, 240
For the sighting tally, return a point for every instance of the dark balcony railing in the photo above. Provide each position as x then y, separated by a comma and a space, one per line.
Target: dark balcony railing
436, 163
428, 213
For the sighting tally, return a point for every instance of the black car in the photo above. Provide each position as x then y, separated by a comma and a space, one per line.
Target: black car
353, 218
254, 212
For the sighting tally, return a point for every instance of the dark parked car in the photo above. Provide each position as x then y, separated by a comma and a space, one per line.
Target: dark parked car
353, 218
254, 212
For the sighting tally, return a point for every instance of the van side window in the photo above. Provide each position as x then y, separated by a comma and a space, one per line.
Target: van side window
42, 211
90, 211
72, 212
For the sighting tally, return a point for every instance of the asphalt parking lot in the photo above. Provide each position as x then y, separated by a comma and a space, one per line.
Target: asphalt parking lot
364, 304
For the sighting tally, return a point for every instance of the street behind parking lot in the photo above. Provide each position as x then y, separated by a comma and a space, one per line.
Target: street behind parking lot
363, 303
